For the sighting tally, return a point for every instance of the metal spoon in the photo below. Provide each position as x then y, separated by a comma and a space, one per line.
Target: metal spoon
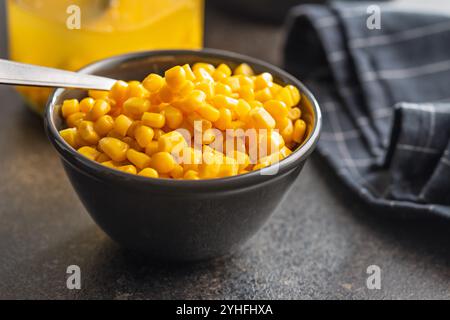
14, 73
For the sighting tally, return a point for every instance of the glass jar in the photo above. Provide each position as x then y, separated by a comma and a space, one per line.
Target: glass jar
69, 34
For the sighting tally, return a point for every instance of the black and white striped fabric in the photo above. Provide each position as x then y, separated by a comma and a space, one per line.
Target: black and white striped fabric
383, 93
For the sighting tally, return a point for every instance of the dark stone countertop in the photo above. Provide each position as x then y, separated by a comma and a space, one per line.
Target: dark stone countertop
318, 243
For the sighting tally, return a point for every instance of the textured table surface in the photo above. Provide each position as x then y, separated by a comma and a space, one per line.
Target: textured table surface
318, 243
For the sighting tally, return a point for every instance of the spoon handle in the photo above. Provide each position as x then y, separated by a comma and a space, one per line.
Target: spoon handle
14, 73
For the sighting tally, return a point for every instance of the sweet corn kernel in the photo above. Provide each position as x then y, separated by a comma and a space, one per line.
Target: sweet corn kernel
87, 132
154, 120
139, 159
247, 93
174, 117
274, 141
152, 148
262, 119
153, 83
211, 165
132, 129
70, 136
284, 152
286, 129
228, 168
75, 118
191, 175
263, 81
89, 153
209, 136
224, 69
233, 83
171, 142
186, 90
119, 91
276, 108
246, 81
166, 94
207, 88
175, 77
109, 164
294, 113
149, 173
256, 104
222, 88
190, 76
102, 157
128, 169
158, 133
243, 69
198, 123
144, 135
205, 66
163, 162
98, 94
70, 107
114, 148
177, 172
221, 101
135, 107
242, 108
285, 96
114, 134
275, 88
238, 124
299, 131
104, 125
195, 99
295, 94
133, 144
263, 95
155, 99
116, 110
270, 159
100, 108
190, 158
224, 121
86, 104
219, 75
208, 112
203, 75
122, 124
209, 170
137, 90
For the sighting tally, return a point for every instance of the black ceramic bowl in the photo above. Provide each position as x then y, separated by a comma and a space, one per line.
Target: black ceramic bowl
179, 219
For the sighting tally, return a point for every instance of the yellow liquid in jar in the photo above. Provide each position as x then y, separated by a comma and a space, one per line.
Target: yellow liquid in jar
38, 33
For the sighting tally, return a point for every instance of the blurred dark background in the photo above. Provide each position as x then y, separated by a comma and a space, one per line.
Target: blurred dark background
3, 41
272, 11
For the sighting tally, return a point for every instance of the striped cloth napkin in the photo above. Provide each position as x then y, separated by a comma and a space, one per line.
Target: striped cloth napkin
385, 96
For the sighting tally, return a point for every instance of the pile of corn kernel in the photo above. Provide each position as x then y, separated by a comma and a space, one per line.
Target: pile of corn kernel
135, 126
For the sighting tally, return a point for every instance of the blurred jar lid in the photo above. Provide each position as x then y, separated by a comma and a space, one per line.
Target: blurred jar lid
106, 15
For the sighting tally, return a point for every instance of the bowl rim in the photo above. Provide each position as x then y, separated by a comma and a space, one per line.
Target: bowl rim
72, 156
